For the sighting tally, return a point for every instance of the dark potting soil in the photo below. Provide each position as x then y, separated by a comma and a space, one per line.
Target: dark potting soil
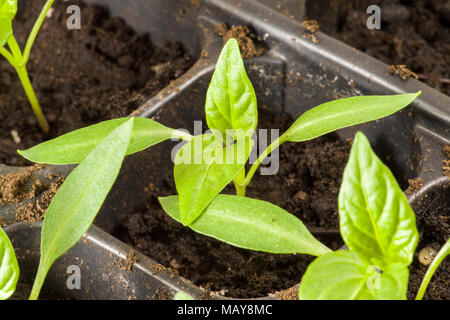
413, 33
102, 71
307, 186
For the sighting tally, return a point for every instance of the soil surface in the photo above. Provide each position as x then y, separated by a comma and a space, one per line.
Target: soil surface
103, 71
307, 185
432, 213
413, 33
414, 186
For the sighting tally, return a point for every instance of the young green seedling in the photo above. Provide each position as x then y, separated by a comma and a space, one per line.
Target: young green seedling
205, 165
16, 57
379, 228
442, 254
9, 269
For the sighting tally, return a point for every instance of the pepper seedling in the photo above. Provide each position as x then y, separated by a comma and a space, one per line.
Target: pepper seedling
19, 59
379, 227
204, 166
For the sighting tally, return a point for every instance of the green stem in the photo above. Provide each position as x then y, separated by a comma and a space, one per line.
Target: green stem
23, 75
35, 30
444, 252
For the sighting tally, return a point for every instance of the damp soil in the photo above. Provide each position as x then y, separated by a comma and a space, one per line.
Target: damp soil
249, 44
104, 70
413, 33
306, 185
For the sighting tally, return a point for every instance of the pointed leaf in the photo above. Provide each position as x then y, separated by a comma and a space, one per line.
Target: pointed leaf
231, 100
375, 216
343, 113
73, 147
9, 268
251, 224
345, 275
202, 170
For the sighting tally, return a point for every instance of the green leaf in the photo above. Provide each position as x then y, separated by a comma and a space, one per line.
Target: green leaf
231, 100
8, 9
375, 216
202, 171
73, 147
346, 275
9, 268
79, 199
251, 224
343, 113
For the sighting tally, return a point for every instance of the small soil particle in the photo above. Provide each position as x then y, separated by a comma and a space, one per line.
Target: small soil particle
301, 195
415, 185
426, 256
311, 25
195, 3
249, 44
2, 222
446, 151
128, 263
402, 71
289, 294
162, 294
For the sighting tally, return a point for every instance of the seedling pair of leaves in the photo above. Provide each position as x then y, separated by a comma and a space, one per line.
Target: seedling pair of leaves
17, 58
201, 168
379, 228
